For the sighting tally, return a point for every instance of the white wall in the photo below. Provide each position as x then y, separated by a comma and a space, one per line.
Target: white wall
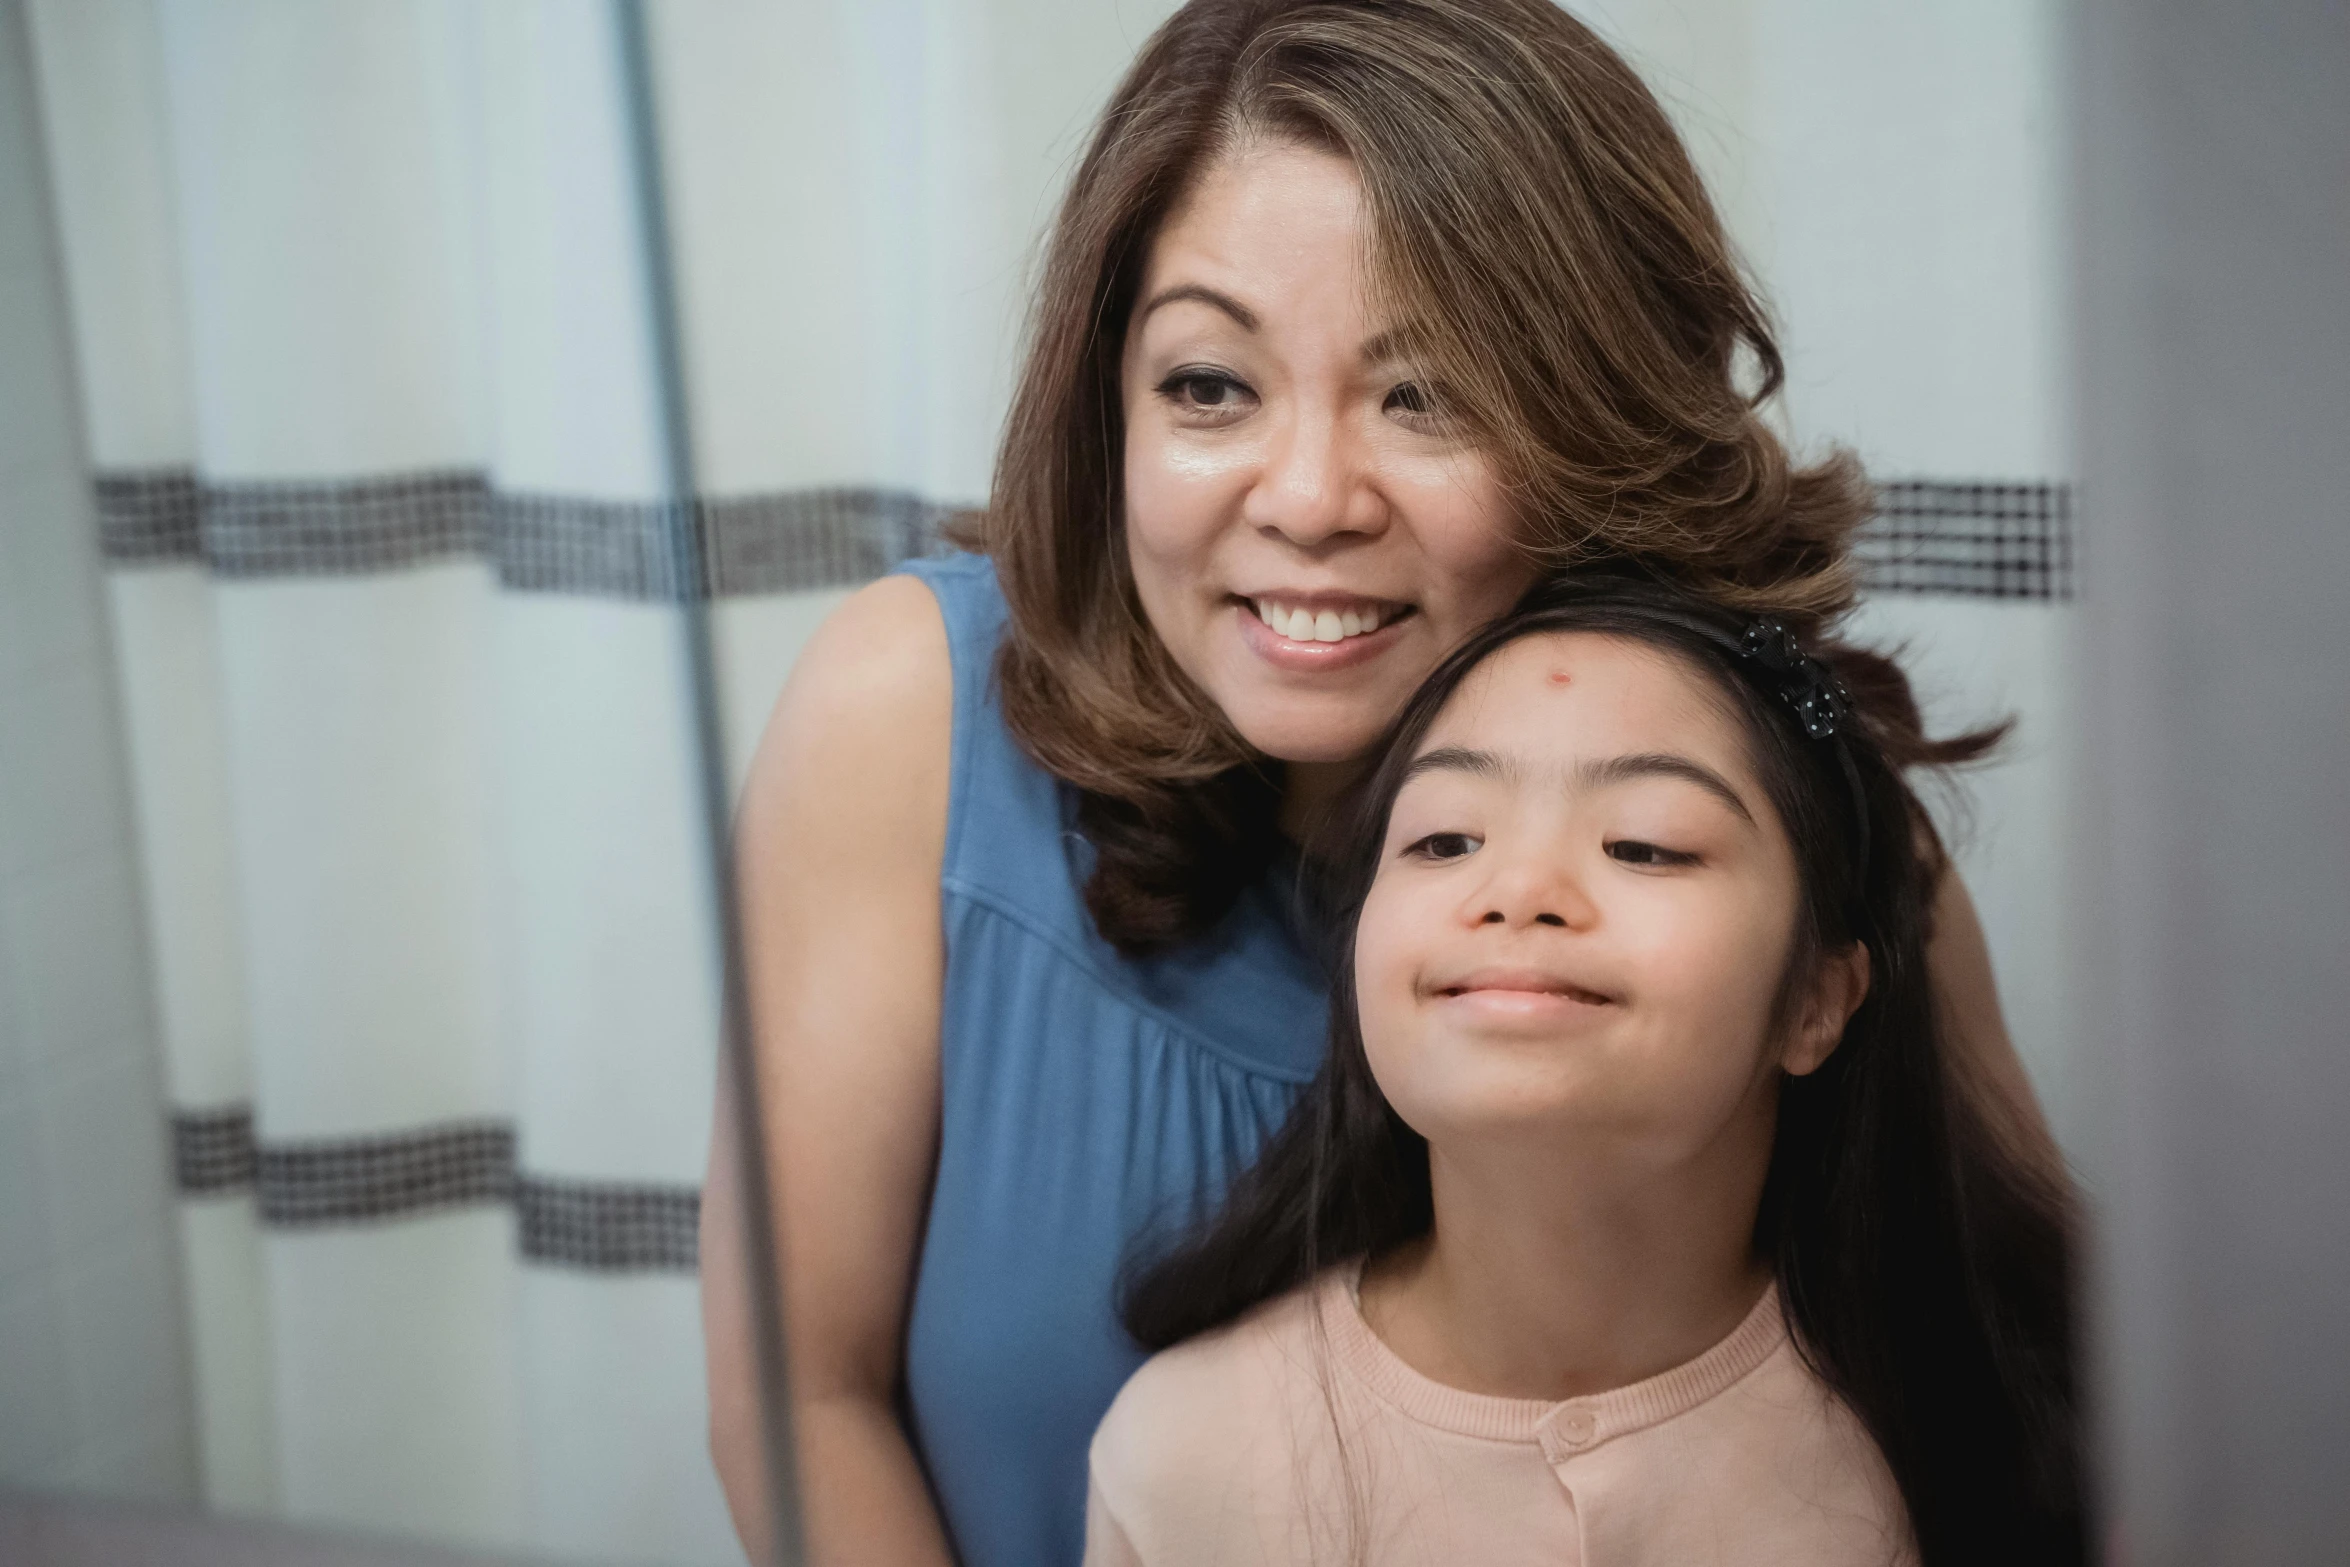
2214, 286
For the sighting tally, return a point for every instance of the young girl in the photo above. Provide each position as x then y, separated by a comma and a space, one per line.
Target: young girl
1636, 1216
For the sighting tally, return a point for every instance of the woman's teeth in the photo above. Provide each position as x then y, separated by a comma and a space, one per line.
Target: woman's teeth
1327, 625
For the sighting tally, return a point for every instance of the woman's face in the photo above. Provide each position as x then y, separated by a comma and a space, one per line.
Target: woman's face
1308, 534
1582, 912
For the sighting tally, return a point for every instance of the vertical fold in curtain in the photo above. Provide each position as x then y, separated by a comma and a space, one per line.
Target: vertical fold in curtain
410, 728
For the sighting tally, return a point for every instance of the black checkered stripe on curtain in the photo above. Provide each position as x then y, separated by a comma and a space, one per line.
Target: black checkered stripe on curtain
780, 543
1975, 539
1972, 538
606, 1226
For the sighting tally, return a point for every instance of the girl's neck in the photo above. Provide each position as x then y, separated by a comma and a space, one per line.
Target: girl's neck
1557, 1283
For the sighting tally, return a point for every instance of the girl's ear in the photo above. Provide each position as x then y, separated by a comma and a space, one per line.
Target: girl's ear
1839, 984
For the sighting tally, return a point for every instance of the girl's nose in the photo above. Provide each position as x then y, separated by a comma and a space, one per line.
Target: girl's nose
1314, 486
1533, 890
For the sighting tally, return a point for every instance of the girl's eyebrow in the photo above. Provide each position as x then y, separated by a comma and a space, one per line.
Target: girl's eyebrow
1660, 764
1457, 759
1596, 774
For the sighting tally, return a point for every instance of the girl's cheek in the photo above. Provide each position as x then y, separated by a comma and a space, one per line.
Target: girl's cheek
1371, 963
1722, 974
1385, 961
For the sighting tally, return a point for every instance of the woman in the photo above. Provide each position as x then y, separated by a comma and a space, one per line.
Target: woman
1632, 1218
1342, 298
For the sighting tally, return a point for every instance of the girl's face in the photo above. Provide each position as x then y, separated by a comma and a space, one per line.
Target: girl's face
1308, 534
1582, 912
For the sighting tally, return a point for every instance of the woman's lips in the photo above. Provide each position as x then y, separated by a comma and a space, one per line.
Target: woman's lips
1290, 653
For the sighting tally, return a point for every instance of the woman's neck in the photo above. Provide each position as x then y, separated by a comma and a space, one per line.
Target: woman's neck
1556, 1282
1308, 791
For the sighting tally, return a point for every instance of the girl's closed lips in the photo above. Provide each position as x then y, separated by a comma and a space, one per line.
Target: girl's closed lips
1514, 990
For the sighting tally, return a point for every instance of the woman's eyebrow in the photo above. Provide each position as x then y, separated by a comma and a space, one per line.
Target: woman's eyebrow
1200, 293
1600, 773
1396, 342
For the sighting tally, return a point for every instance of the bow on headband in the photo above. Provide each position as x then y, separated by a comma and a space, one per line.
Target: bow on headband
1821, 705
1820, 701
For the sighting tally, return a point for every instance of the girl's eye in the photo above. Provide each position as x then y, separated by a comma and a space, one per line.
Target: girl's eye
1204, 391
1631, 851
1442, 846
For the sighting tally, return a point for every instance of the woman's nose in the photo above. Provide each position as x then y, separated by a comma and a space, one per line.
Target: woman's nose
1313, 486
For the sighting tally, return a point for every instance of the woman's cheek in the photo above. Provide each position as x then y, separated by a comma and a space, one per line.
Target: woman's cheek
1164, 513
1467, 533
1179, 503
1170, 535
1178, 492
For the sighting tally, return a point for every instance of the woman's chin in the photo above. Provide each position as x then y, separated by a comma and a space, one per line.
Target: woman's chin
1289, 749
1323, 732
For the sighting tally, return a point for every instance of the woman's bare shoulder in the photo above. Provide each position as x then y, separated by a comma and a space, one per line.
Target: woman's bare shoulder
866, 719
879, 662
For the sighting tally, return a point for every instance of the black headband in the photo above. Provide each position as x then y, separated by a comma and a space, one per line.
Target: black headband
1822, 706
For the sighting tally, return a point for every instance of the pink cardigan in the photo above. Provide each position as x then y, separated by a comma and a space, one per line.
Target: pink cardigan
1226, 1450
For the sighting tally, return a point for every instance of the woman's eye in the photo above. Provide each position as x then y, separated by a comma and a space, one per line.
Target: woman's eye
1443, 846
1632, 851
1417, 402
1203, 391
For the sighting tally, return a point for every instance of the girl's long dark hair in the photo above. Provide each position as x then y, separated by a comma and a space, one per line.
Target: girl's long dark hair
1925, 1264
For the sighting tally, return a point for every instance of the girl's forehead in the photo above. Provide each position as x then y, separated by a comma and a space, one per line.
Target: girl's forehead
1581, 688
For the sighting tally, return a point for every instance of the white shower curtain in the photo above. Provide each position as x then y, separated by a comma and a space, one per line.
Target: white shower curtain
356, 290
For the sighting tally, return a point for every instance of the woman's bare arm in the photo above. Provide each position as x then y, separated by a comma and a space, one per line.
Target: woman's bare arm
1969, 994
838, 845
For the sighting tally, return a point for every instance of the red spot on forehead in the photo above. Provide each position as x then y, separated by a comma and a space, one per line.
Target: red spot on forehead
1559, 677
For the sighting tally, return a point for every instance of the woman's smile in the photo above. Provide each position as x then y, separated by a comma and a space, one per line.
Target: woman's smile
1323, 617
1307, 633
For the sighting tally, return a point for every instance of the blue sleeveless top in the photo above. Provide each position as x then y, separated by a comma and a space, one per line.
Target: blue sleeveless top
1084, 1096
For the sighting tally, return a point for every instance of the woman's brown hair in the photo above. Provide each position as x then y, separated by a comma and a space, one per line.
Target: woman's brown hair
1537, 223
